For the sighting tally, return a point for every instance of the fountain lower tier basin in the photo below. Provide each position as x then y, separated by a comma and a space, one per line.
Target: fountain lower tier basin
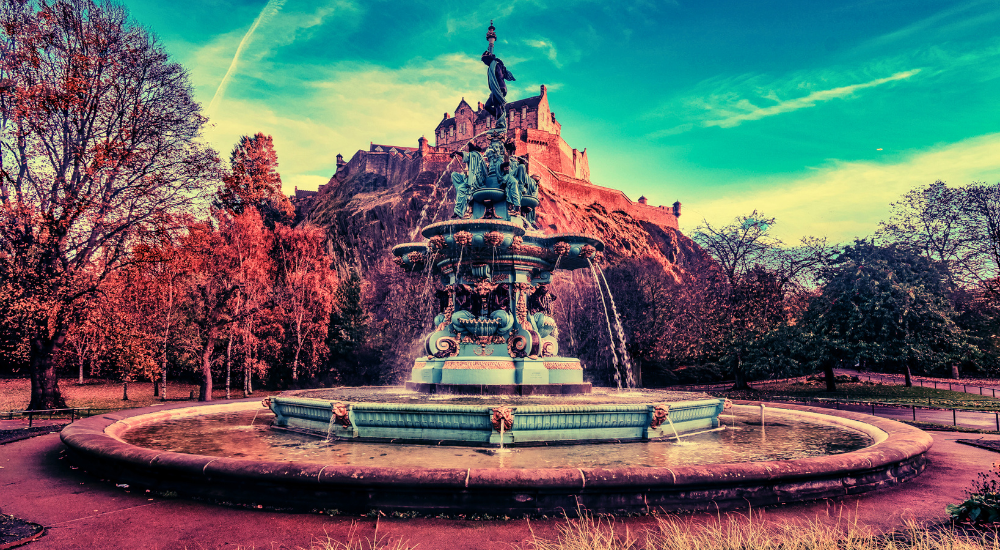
467, 424
897, 454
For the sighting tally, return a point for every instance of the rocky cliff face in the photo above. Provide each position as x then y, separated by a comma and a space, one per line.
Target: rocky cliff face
367, 213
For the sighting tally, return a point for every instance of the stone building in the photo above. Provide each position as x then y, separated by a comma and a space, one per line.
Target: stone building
563, 170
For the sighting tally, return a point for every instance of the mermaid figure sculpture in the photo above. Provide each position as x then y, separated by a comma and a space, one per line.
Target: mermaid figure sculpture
466, 184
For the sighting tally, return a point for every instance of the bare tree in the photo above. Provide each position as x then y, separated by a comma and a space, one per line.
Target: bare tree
98, 135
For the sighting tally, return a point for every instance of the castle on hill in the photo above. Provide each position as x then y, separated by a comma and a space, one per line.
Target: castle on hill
563, 170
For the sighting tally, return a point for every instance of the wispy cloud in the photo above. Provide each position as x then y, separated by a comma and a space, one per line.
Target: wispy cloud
547, 47
842, 200
339, 108
270, 10
753, 112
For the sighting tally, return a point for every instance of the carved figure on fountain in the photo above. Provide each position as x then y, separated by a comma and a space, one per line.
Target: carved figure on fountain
467, 183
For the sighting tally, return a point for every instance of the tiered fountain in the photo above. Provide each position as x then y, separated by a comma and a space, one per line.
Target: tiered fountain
494, 338
494, 333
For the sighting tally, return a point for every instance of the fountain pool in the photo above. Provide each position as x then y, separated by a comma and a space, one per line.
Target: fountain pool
212, 451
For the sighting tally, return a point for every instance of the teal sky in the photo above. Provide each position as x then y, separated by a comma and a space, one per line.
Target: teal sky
817, 113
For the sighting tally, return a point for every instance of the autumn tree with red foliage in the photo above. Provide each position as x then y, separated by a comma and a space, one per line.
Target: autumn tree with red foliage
306, 286
230, 273
99, 141
253, 181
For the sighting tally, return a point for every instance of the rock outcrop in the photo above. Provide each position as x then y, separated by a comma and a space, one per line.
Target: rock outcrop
367, 211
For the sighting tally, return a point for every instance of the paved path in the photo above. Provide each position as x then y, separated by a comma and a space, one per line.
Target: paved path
38, 485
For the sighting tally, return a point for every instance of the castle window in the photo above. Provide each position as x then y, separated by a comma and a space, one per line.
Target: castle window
524, 113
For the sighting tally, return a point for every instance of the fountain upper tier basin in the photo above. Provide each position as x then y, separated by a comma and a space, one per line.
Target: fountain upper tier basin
497, 241
896, 455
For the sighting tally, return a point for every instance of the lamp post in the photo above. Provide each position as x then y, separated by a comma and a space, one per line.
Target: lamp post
491, 36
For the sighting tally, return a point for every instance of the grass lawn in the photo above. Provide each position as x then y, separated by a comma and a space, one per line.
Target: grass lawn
102, 394
868, 391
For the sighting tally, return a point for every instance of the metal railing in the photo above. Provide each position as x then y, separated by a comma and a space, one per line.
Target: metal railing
73, 413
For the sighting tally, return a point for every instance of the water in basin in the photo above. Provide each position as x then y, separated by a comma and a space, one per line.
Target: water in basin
229, 435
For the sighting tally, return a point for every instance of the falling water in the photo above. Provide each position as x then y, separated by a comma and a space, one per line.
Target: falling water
630, 377
254, 418
329, 427
677, 436
614, 354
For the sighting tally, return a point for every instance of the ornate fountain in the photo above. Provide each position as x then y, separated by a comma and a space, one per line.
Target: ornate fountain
494, 332
493, 336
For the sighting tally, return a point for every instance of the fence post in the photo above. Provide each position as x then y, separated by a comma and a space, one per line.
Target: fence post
873, 409
949, 386
31, 418
935, 384
954, 417
980, 390
997, 417
914, 408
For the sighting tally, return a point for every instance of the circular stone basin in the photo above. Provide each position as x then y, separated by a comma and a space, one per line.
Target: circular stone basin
212, 451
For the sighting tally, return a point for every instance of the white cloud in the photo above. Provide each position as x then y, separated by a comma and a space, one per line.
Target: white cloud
341, 107
743, 110
547, 47
843, 200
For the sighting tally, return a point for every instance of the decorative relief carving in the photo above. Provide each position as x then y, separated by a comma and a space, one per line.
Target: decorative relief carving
563, 365
660, 415
493, 365
341, 415
516, 346
463, 238
437, 242
503, 419
493, 238
516, 244
446, 347
587, 251
415, 257
561, 248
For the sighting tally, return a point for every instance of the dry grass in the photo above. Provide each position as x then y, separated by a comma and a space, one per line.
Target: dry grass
736, 532
102, 394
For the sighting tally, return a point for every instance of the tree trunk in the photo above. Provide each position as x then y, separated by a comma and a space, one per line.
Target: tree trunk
205, 392
229, 363
739, 376
45, 392
831, 378
79, 380
906, 373
156, 387
163, 383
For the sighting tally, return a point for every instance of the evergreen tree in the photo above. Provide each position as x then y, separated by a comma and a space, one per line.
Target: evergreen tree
346, 334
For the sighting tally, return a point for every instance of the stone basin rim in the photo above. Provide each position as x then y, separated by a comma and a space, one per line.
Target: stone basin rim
93, 443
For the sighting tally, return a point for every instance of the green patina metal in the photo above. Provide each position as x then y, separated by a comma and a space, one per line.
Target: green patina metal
472, 424
494, 331
494, 326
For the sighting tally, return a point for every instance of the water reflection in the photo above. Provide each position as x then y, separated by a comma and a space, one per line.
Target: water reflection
230, 435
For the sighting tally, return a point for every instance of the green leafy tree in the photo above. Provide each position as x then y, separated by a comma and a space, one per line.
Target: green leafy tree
761, 275
887, 308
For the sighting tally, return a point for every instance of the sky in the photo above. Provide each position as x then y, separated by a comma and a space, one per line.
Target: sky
819, 114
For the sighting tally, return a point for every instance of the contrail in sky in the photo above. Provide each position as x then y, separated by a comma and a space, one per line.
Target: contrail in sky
270, 9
